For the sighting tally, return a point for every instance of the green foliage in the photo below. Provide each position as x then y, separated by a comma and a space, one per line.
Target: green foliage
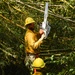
62, 35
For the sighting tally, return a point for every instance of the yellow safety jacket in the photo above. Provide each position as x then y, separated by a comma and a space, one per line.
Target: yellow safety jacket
32, 41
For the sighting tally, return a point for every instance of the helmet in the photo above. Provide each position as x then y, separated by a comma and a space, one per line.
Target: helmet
38, 63
29, 20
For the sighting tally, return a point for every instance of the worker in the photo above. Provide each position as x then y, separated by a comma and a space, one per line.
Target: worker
38, 66
33, 40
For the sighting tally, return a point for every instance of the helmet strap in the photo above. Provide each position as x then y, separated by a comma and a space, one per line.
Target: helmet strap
34, 70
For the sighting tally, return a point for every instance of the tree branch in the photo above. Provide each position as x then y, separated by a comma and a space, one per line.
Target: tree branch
14, 56
68, 3
11, 21
55, 15
14, 34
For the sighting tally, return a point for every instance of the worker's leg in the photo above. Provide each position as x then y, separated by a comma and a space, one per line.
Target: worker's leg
28, 61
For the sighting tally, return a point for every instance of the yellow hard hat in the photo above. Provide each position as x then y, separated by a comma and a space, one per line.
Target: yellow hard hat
38, 63
29, 20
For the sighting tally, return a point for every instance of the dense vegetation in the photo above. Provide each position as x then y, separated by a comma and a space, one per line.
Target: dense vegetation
57, 50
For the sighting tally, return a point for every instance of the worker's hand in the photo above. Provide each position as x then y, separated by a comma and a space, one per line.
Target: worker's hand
41, 31
42, 36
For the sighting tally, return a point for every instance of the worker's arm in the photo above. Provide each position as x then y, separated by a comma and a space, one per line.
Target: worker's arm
38, 34
34, 44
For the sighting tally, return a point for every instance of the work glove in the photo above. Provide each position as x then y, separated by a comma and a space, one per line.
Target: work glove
42, 36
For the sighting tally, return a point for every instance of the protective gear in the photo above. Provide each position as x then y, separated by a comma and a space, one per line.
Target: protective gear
28, 21
32, 43
29, 59
42, 36
38, 63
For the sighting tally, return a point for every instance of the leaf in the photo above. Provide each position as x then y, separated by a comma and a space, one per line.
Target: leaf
64, 27
71, 69
52, 57
21, 46
54, 35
